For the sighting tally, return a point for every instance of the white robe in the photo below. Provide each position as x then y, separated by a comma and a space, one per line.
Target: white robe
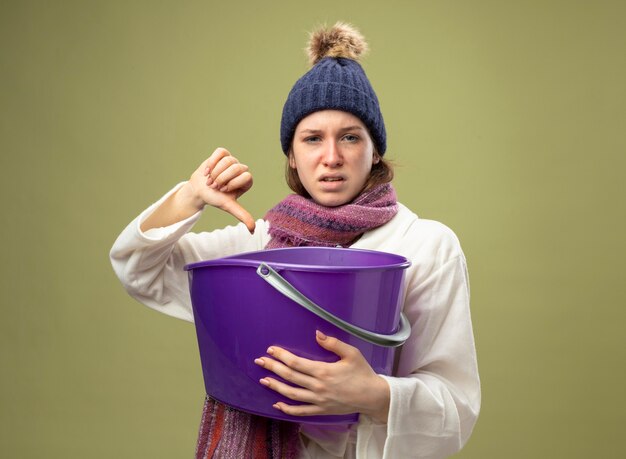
435, 388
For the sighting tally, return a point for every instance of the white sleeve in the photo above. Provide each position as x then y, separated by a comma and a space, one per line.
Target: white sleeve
435, 395
150, 264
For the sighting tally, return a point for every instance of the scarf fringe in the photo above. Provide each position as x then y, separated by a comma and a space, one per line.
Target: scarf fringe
227, 433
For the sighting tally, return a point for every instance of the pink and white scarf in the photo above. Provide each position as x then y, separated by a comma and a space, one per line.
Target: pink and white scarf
298, 221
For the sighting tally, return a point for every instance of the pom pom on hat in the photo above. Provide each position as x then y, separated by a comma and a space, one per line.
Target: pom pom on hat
336, 81
341, 40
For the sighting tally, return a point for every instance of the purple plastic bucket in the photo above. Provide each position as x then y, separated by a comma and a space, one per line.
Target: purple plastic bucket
245, 303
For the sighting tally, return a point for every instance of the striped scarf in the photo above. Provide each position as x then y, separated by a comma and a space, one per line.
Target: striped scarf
226, 433
297, 221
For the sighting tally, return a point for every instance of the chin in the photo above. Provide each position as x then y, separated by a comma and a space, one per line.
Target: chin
331, 201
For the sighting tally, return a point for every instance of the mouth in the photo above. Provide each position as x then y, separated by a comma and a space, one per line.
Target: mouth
332, 179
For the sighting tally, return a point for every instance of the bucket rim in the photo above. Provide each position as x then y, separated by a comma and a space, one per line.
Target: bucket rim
246, 259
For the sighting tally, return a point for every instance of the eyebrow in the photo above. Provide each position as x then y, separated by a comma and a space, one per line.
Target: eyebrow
319, 131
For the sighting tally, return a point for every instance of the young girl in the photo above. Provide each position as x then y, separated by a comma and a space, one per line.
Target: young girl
333, 136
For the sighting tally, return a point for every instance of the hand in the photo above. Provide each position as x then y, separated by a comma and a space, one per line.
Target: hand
347, 386
219, 181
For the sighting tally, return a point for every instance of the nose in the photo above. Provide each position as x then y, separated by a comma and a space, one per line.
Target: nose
332, 155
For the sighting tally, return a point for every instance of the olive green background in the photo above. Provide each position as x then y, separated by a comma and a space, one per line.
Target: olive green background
506, 121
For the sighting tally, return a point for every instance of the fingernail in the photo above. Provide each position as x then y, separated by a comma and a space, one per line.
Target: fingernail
213, 185
270, 350
209, 180
276, 405
264, 381
321, 336
259, 362
224, 188
207, 170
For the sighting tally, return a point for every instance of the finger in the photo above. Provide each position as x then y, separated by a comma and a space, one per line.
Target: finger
343, 350
222, 165
295, 393
204, 167
241, 183
286, 373
299, 410
241, 214
215, 157
227, 174
294, 362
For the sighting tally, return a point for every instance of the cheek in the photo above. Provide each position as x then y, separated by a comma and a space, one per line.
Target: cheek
366, 175
303, 164
368, 163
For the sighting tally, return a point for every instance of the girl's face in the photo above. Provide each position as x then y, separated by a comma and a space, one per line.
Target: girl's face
333, 154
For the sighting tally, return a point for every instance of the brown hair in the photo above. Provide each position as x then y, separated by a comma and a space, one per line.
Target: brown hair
382, 172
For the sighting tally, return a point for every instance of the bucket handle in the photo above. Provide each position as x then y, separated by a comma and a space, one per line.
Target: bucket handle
283, 286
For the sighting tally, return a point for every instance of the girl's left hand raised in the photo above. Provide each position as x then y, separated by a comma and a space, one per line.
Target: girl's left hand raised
349, 385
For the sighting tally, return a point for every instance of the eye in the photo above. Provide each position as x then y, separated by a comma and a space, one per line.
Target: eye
350, 138
312, 139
